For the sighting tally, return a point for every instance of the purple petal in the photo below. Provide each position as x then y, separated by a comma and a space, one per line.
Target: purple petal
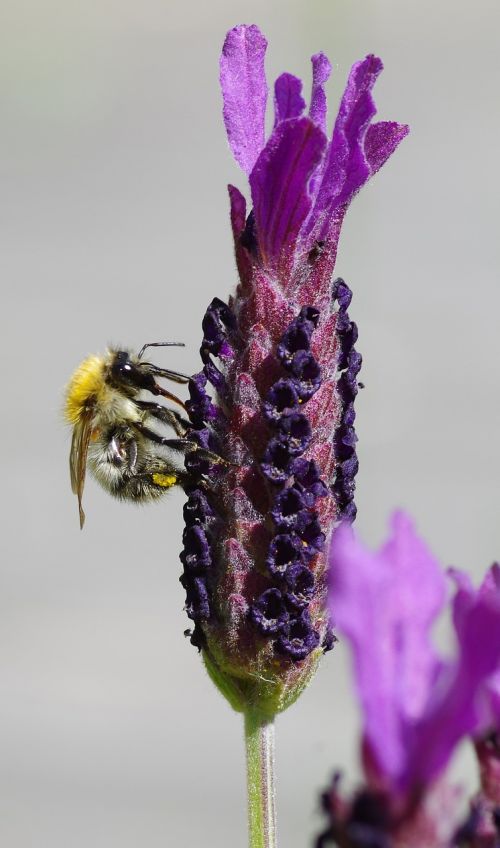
244, 91
464, 601
458, 713
238, 208
381, 141
288, 100
385, 603
279, 184
490, 587
346, 168
493, 696
321, 72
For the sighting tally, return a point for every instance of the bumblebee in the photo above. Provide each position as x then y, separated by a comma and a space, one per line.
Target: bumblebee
114, 431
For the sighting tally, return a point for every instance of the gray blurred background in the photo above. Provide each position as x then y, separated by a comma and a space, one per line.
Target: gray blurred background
114, 229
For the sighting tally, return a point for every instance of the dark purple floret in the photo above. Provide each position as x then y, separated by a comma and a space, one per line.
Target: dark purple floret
285, 550
349, 468
281, 399
341, 293
205, 438
343, 323
350, 512
329, 640
300, 638
310, 313
307, 372
308, 480
197, 598
196, 636
344, 488
354, 362
288, 507
217, 320
215, 377
313, 540
269, 612
348, 386
345, 442
299, 582
197, 509
295, 432
248, 237
296, 338
196, 555
348, 338
213, 333
349, 415
276, 461
366, 823
199, 406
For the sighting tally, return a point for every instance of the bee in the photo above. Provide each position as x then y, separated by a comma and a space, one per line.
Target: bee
114, 430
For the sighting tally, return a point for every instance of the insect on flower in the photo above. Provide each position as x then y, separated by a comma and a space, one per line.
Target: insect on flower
114, 430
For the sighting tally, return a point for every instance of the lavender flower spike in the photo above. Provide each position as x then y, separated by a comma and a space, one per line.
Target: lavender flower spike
416, 706
281, 365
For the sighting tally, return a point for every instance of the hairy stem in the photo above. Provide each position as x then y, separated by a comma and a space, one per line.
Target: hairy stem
259, 741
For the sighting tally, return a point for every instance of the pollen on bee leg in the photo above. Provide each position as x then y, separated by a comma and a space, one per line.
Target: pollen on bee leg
165, 480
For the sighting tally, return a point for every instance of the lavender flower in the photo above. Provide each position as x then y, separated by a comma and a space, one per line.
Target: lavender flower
281, 412
416, 705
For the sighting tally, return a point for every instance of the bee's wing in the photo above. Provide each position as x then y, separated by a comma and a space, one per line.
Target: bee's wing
78, 457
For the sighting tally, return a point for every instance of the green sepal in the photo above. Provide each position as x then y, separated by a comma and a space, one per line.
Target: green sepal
267, 695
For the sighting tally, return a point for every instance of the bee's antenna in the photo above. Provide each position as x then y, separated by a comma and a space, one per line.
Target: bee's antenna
159, 344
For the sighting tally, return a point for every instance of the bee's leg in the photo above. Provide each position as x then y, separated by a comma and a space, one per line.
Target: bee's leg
192, 481
167, 416
182, 445
156, 371
174, 376
148, 485
159, 390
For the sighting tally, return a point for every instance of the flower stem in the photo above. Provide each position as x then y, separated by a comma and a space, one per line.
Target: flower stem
259, 741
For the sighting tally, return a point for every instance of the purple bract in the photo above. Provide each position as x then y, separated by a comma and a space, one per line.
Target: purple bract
280, 412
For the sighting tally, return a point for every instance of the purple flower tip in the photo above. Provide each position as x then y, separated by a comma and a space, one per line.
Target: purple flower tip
243, 82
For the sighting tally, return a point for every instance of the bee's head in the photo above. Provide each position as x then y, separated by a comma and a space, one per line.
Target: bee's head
129, 374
